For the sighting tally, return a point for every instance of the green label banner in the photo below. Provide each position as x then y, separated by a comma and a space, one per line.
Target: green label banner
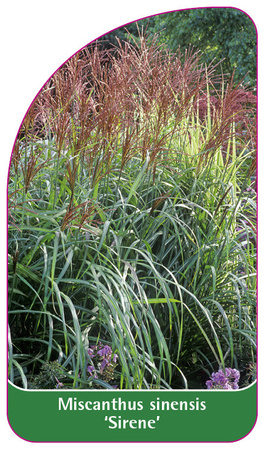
131, 416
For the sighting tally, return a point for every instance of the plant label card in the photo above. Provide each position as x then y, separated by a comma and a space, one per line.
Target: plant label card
132, 238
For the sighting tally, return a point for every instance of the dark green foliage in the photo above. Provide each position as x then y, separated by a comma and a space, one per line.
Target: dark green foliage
126, 33
223, 34
226, 34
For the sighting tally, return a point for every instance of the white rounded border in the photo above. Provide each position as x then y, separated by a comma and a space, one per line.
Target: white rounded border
36, 38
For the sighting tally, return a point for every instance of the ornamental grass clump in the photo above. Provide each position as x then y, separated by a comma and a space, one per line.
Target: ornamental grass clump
131, 180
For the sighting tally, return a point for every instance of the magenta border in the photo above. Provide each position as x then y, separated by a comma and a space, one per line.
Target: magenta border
120, 442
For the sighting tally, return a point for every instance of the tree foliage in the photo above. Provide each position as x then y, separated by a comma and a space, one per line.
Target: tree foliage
221, 34
226, 34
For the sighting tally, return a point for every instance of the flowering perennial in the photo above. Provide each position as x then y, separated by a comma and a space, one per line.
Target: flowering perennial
103, 360
224, 380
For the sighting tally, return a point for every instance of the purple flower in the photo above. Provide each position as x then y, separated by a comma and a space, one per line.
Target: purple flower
104, 364
102, 358
209, 384
220, 380
90, 369
105, 351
